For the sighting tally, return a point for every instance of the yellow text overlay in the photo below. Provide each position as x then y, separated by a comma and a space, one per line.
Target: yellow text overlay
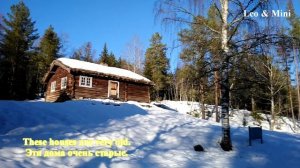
42, 143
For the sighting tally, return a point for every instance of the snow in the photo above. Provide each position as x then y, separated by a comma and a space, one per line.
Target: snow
160, 137
77, 64
284, 124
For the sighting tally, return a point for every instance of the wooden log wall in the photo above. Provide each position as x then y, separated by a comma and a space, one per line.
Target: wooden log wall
54, 96
136, 92
99, 90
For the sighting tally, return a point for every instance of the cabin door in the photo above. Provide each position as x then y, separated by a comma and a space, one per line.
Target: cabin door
113, 89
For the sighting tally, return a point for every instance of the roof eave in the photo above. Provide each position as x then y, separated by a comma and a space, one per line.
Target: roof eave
76, 70
53, 64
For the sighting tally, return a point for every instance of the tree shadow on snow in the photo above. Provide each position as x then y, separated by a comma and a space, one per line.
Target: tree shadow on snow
277, 150
163, 106
160, 140
14, 115
42, 120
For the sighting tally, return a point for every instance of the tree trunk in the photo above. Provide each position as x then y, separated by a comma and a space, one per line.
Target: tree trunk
252, 104
202, 100
217, 97
288, 82
272, 122
272, 113
226, 140
291, 104
181, 90
297, 79
230, 95
279, 103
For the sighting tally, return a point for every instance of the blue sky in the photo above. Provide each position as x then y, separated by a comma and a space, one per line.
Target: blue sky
114, 22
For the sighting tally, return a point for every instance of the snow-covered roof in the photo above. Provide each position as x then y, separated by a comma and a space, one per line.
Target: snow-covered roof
102, 69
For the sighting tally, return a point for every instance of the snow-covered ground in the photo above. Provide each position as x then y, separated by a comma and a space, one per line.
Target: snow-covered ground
237, 117
159, 137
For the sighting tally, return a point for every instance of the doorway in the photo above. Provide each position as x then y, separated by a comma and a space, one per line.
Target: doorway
113, 89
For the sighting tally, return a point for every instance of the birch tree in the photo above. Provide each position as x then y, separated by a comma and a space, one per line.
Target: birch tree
134, 54
84, 53
268, 68
182, 12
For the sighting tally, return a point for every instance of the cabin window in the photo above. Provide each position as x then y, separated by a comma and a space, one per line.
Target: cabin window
63, 84
113, 89
53, 86
85, 81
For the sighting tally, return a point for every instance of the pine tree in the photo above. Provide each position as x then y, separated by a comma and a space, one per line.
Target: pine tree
112, 60
196, 45
104, 55
1, 28
157, 65
213, 20
122, 63
108, 59
48, 51
294, 21
17, 50
49, 46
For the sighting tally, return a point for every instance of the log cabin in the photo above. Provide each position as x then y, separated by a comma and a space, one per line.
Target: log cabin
74, 79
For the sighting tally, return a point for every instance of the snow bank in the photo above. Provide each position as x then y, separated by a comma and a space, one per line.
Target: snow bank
237, 117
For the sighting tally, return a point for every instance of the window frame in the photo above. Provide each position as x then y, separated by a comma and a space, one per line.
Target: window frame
85, 81
63, 82
52, 86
